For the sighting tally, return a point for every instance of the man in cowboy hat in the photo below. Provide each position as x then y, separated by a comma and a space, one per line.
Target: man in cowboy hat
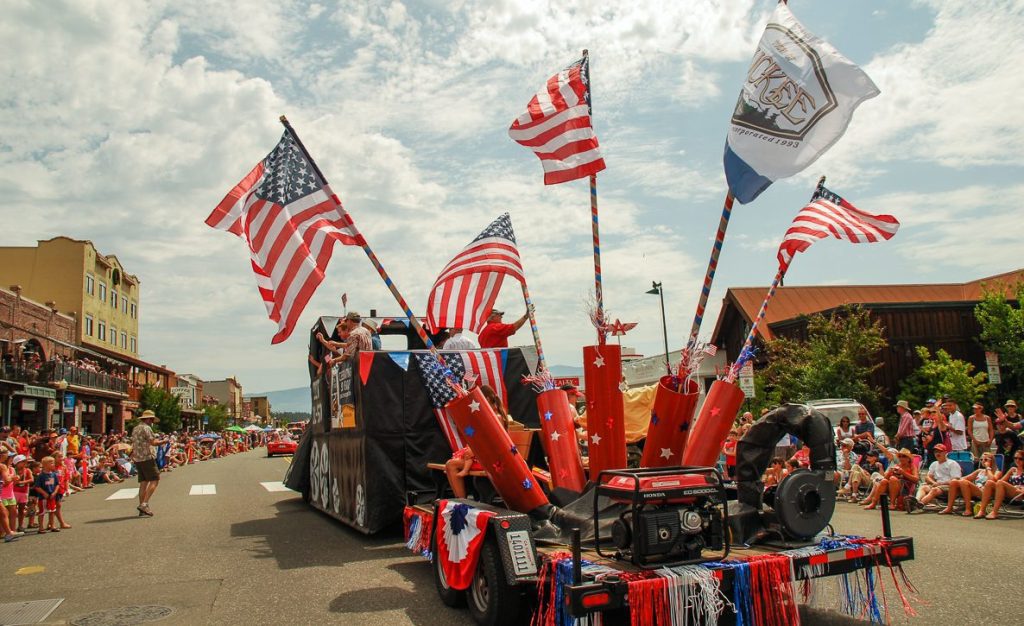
144, 457
906, 432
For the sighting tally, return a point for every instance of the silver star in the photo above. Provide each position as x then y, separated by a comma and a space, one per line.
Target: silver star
474, 406
596, 439
555, 436
666, 453
599, 361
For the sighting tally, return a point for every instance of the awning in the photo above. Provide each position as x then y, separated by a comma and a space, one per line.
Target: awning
32, 391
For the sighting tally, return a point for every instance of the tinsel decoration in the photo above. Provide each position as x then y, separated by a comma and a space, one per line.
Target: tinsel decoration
417, 531
542, 381
694, 595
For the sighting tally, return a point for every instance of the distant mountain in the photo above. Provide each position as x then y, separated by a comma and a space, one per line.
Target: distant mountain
297, 399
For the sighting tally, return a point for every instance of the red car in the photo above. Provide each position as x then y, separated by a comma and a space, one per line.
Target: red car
284, 445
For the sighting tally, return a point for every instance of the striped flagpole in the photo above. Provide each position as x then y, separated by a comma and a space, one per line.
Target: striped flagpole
542, 365
598, 290
709, 277
413, 321
744, 355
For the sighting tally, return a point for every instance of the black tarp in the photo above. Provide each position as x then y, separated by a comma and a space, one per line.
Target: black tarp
360, 472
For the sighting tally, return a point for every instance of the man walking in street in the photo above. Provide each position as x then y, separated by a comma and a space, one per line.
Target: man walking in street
144, 457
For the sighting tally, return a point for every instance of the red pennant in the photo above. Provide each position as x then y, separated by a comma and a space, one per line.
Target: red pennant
365, 363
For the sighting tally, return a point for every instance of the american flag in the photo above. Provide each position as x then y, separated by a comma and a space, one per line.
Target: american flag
290, 219
556, 126
486, 365
828, 215
467, 287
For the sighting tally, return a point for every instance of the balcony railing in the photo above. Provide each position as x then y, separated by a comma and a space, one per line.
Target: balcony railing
81, 377
22, 373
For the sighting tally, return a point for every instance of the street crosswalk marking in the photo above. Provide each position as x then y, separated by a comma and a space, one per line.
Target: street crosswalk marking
124, 494
275, 485
203, 490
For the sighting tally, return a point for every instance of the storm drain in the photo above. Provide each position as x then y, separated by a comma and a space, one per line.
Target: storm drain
31, 612
123, 616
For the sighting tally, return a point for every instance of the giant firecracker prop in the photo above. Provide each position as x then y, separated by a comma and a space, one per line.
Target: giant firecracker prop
606, 429
483, 432
558, 436
713, 423
670, 423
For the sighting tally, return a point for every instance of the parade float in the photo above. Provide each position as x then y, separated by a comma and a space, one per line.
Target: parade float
552, 537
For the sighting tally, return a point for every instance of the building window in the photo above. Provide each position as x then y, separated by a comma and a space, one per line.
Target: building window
90, 284
113, 298
124, 304
101, 329
124, 340
113, 335
135, 310
88, 326
135, 346
103, 292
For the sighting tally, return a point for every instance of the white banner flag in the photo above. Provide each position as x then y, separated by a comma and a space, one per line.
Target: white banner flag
798, 99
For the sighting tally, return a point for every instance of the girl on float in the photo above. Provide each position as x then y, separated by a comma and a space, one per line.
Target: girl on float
1011, 485
464, 461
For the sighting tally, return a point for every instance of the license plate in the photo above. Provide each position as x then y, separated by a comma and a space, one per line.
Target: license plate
520, 548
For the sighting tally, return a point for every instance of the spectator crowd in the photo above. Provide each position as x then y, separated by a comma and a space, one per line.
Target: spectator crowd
40, 471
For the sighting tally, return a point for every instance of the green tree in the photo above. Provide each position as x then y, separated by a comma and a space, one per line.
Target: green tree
942, 375
218, 417
1002, 332
164, 404
836, 360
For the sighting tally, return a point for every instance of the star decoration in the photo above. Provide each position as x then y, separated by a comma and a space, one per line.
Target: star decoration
654, 419
470, 431
599, 361
685, 426
555, 436
514, 449
527, 483
497, 467
563, 473
609, 423
547, 415
474, 406
596, 439
666, 453
715, 411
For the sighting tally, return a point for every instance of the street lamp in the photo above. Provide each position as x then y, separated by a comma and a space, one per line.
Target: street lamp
62, 385
657, 290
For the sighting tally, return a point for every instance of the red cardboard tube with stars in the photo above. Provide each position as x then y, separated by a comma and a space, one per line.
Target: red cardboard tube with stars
671, 414
715, 419
606, 428
486, 437
558, 436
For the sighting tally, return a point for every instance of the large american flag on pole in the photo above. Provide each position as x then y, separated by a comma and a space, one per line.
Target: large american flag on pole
467, 287
290, 219
829, 215
486, 367
557, 127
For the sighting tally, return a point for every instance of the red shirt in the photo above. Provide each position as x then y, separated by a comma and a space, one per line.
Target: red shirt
495, 335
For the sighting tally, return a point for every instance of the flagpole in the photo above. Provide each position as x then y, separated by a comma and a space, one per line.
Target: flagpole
745, 355
598, 289
542, 365
709, 278
413, 321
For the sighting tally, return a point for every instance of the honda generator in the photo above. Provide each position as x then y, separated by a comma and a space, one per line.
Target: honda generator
668, 516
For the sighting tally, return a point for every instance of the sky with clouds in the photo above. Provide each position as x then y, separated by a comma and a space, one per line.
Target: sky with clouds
125, 123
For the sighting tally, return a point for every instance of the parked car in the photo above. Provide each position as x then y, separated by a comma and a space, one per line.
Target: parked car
835, 408
282, 445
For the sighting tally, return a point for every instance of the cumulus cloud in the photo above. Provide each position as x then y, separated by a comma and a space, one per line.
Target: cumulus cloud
134, 119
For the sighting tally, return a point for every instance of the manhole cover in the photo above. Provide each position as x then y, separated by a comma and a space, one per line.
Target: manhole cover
123, 616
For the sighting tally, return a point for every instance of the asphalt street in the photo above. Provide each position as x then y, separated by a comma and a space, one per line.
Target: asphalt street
237, 553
